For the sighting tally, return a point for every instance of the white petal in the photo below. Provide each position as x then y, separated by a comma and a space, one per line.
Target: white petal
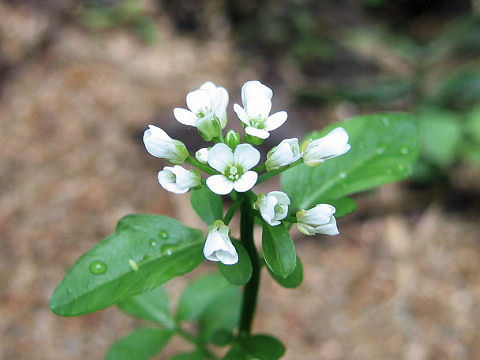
246, 181
253, 89
319, 215
199, 100
281, 197
167, 181
219, 184
305, 229
184, 178
219, 156
221, 102
246, 155
227, 257
328, 229
242, 115
262, 134
258, 107
185, 117
158, 143
213, 243
211, 89
276, 120
268, 210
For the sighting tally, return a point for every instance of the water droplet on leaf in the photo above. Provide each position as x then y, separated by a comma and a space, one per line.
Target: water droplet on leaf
98, 267
153, 243
386, 121
168, 249
380, 150
133, 264
163, 235
404, 150
343, 175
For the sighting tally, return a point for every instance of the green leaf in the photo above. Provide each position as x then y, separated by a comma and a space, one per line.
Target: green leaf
239, 273
278, 250
440, 136
144, 252
199, 294
220, 317
208, 205
293, 280
263, 347
150, 306
473, 124
188, 356
344, 206
141, 344
236, 352
384, 146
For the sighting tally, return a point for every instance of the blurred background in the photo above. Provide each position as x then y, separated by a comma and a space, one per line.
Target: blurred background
81, 80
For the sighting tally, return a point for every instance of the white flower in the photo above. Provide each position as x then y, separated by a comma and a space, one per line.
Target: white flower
207, 110
178, 180
257, 103
234, 168
273, 207
202, 155
335, 143
218, 246
318, 220
159, 144
285, 153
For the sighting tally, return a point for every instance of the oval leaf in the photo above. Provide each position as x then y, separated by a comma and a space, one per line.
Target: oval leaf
144, 252
141, 344
263, 347
207, 205
384, 146
199, 294
293, 280
239, 273
278, 250
151, 306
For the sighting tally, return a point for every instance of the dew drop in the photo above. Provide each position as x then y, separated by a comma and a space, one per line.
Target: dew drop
404, 150
168, 249
153, 243
163, 235
98, 267
133, 264
343, 175
380, 150
386, 121
69, 291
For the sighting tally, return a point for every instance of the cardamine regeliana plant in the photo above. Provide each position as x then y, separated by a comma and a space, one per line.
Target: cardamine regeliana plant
318, 175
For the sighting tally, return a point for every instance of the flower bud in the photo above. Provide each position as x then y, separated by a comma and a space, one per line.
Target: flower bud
202, 155
209, 127
179, 180
335, 143
159, 144
218, 246
318, 220
286, 153
273, 207
232, 139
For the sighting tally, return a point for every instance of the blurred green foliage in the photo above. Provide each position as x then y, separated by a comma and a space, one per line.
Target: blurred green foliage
120, 14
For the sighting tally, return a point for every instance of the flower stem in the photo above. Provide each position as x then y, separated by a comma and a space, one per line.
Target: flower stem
250, 291
268, 175
229, 215
205, 168
200, 346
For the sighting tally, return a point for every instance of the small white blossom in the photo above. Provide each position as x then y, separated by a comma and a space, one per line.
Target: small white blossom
285, 153
218, 246
159, 144
178, 180
273, 207
335, 143
257, 103
318, 220
202, 155
233, 166
207, 110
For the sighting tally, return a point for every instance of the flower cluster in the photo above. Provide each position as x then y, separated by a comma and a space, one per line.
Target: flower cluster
232, 162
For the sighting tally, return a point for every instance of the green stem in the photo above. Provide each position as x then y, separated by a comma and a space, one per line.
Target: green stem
204, 167
260, 168
250, 291
200, 346
229, 215
268, 175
